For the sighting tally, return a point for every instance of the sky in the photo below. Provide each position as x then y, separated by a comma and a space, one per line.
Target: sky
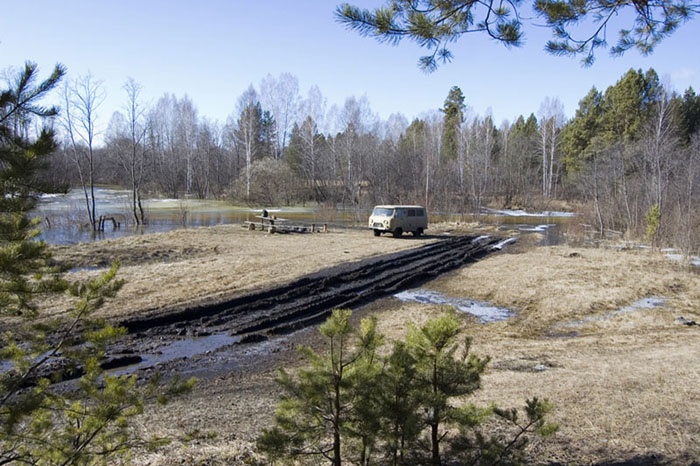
212, 51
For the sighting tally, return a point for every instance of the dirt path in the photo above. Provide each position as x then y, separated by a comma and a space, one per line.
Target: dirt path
232, 326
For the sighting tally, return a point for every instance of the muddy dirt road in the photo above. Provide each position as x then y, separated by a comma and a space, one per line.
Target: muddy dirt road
190, 336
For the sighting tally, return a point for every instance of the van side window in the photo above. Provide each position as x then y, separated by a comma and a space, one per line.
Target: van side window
411, 212
419, 213
400, 212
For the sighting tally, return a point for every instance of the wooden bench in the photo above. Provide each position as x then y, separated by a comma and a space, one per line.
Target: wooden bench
271, 225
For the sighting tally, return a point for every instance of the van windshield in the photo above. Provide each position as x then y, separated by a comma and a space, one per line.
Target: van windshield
383, 211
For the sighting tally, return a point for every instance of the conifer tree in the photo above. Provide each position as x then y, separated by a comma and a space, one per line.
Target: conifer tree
433, 24
452, 123
316, 413
445, 370
398, 405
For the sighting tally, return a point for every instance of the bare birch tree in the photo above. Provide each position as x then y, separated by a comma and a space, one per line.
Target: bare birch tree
186, 126
281, 97
127, 136
551, 121
82, 98
479, 159
658, 147
248, 131
166, 172
434, 132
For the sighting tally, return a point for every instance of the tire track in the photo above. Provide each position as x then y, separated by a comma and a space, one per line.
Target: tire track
311, 299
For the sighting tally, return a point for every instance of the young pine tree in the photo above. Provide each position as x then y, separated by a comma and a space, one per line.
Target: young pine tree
316, 416
445, 370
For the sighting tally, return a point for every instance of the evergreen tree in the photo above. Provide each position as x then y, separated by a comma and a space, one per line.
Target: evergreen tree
348, 405
442, 374
582, 130
398, 406
689, 110
316, 413
510, 433
626, 105
433, 24
452, 124
294, 153
268, 135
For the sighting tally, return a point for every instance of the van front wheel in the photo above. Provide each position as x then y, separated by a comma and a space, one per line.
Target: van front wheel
398, 232
377, 232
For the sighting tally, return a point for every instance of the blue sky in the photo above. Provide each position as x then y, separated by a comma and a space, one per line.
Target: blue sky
213, 50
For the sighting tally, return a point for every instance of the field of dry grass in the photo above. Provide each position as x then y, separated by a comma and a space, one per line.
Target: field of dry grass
624, 382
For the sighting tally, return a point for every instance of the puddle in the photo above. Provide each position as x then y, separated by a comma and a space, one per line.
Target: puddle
641, 305
180, 349
536, 228
645, 303
486, 312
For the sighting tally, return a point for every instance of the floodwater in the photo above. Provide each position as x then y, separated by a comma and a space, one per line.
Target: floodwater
64, 219
548, 224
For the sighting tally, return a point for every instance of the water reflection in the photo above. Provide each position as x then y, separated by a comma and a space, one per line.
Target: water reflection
63, 216
179, 349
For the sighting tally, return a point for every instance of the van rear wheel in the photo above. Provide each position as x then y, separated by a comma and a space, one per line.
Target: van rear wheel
398, 232
418, 232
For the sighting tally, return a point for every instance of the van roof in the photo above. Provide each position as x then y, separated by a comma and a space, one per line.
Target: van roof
399, 206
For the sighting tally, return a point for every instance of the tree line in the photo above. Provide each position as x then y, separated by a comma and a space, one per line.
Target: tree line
628, 158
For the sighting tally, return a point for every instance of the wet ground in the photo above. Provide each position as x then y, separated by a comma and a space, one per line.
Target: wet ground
220, 336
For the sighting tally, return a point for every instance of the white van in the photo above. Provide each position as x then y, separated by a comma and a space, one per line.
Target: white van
398, 219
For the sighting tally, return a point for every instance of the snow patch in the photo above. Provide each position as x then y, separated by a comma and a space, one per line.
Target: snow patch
694, 260
523, 213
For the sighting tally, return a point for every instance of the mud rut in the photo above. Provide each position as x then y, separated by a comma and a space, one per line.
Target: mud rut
260, 316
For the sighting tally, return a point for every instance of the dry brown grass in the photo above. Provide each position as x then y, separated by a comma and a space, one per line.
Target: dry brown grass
624, 385
182, 267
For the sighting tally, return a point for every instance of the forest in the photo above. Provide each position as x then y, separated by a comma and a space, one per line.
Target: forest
628, 161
